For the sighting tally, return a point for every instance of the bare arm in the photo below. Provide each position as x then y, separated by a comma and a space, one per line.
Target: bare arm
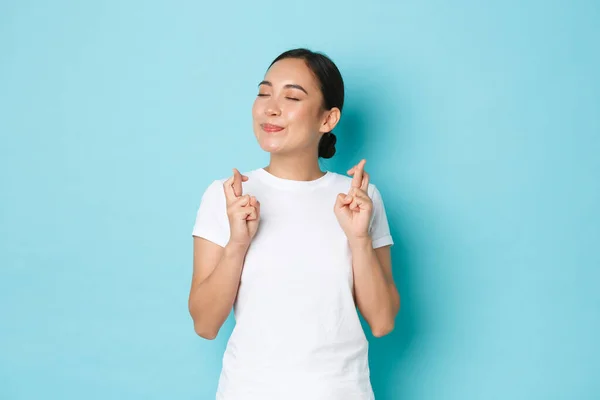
215, 282
376, 295
217, 270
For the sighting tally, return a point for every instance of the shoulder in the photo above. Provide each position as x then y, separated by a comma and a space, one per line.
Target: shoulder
213, 193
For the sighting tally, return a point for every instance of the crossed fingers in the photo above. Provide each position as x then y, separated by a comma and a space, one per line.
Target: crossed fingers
358, 194
234, 197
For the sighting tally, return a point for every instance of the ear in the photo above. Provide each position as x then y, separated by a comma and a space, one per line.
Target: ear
332, 117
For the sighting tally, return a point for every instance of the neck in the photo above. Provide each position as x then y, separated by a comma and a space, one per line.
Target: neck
298, 168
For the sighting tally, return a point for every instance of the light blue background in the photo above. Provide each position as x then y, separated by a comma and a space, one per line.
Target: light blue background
481, 127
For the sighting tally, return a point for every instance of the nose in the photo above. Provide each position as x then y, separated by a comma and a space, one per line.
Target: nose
272, 108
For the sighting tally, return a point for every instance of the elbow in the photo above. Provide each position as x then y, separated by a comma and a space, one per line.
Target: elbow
384, 325
202, 326
386, 322
205, 332
382, 329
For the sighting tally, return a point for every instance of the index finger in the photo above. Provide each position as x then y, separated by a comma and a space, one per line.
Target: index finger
358, 174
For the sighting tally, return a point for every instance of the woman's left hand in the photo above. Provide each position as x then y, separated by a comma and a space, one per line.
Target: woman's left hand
354, 210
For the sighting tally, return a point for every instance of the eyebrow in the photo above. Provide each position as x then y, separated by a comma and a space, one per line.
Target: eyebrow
289, 86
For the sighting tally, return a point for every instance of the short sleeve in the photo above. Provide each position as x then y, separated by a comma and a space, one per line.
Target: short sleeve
211, 219
379, 228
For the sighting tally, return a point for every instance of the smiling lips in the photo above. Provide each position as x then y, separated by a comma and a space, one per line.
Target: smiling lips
271, 128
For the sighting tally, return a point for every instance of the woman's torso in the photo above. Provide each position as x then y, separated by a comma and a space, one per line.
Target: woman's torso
297, 332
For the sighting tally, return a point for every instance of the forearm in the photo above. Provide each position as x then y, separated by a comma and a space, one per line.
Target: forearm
212, 299
376, 296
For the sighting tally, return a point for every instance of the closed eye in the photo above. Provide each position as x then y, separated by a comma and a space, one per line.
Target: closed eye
292, 98
262, 95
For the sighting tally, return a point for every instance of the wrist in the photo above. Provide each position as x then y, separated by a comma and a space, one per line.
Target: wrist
361, 242
234, 248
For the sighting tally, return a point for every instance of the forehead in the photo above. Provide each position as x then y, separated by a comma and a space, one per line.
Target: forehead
291, 70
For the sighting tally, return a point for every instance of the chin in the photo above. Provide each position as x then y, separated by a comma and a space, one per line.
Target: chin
270, 144
271, 147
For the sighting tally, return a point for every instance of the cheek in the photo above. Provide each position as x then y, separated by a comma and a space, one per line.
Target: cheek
300, 115
256, 108
304, 121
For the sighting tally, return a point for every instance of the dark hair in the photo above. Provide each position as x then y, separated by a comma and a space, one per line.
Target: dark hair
331, 85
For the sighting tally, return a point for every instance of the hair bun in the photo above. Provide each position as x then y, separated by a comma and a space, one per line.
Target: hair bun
327, 145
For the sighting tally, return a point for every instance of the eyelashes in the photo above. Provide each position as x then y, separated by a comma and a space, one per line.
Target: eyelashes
287, 97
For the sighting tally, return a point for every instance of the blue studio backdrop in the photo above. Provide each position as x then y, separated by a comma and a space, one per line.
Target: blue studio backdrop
480, 124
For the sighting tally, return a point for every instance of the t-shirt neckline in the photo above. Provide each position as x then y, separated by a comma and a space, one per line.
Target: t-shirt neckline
278, 182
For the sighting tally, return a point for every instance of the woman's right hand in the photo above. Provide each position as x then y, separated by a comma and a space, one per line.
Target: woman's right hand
243, 211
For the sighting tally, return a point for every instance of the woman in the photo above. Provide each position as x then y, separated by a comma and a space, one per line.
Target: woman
294, 249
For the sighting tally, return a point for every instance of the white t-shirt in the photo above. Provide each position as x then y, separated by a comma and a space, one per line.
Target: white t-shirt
297, 333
